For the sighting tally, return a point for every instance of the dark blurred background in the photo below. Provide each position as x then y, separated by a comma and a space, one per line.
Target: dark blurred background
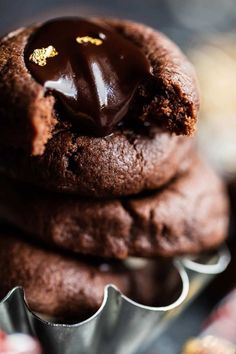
206, 31
180, 19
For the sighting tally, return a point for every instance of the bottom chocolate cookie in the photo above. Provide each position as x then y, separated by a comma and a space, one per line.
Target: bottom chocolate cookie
67, 287
188, 215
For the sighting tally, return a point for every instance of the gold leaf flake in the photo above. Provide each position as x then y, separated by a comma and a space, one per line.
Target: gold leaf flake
88, 39
40, 56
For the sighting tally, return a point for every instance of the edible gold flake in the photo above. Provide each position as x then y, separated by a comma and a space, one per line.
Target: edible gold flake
88, 39
40, 56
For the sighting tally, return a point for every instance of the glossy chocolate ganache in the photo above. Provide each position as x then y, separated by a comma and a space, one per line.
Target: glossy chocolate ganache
90, 68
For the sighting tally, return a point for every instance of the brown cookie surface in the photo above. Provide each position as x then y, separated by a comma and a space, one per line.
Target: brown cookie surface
188, 215
63, 286
118, 165
29, 117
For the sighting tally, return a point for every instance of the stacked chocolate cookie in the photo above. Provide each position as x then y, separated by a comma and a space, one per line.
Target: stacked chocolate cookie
98, 164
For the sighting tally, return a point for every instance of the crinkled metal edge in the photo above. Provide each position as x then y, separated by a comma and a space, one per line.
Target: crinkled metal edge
181, 264
19, 291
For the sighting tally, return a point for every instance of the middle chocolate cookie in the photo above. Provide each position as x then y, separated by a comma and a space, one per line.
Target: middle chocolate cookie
188, 215
123, 163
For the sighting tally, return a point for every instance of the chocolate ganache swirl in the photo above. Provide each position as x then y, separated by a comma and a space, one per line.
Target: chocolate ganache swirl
91, 69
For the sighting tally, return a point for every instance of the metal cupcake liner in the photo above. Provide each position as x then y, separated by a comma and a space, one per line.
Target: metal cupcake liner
120, 325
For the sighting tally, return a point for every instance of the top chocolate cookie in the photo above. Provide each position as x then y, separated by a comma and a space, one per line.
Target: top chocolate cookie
92, 77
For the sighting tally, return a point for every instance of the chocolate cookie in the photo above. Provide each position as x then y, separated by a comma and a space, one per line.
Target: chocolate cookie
120, 164
131, 75
188, 215
64, 286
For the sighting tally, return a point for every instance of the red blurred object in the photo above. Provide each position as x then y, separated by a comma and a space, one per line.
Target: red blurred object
222, 321
18, 344
219, 334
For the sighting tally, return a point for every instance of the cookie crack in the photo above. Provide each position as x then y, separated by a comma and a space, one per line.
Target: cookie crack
134, 221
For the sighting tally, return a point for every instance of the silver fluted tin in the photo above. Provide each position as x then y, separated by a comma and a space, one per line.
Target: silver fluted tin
120, 325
